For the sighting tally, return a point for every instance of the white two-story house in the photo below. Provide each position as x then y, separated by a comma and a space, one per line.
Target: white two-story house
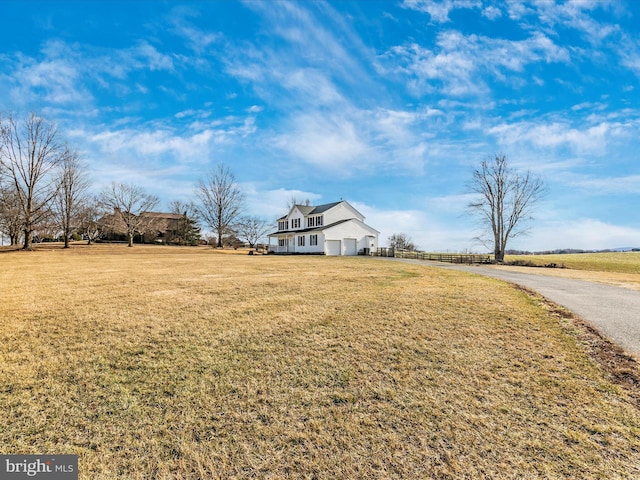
331, 229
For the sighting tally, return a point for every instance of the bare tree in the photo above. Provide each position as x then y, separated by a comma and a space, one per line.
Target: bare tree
29, 153
505, 200
89, 219
221, 201
401, 241
10, 214
129, 204
252, 229
71, 193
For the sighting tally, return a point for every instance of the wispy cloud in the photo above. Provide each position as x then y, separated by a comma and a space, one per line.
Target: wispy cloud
587, 233
194, 145
629, 52
491, 12
592, 139
352, 141
329, 142
459, 64
272, 203
439, 10
622, 185
66, 73
575, 15
311, 64
55, 78
427, 231
198, 40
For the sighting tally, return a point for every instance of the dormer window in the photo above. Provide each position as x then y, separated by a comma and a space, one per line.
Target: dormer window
283, 225
314, 221
295, 223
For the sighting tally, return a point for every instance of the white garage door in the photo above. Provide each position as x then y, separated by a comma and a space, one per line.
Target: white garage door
350, 246
333, 247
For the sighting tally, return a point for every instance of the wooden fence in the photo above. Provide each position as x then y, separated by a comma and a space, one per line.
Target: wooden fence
436, 257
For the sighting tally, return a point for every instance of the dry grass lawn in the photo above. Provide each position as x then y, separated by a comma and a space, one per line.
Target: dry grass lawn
178, 363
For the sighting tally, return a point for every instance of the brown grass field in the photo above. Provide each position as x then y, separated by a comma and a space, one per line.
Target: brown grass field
619, 262
615, 268
180, 363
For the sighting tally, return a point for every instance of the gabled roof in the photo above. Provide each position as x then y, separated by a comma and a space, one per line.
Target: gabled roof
322, 208
311, 209
305, 209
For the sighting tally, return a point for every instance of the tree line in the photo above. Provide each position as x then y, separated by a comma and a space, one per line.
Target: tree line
45, 186
45, 189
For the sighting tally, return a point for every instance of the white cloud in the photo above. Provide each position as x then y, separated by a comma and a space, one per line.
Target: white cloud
64, 74
55, 81
145, 55
197, 39
492, 12
272, 204
629, 184
141, 143
355, 141
330, 47
629, 53
458, 63
313, 85
55, 78
575, 14
159, 156
439, 10
196, 144
451, 204
590, 139
331, 142
428, 232
581, 233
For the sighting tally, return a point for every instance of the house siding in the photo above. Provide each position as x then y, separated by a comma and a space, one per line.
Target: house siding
296, 216
342, 232
340, 212
365, 236
307, 247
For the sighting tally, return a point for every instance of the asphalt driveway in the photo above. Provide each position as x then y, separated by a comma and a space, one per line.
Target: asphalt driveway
615, 311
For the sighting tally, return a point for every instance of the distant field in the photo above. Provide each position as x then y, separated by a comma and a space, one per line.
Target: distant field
620, 262
179, 363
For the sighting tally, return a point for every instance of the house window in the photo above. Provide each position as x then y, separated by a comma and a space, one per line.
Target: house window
313, 239
282, 242
295, 223
283, 225
314, 221
301, 241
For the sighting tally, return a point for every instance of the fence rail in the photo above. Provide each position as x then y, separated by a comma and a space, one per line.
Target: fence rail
436, 257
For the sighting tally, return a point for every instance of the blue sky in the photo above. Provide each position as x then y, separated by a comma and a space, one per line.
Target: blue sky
386, 104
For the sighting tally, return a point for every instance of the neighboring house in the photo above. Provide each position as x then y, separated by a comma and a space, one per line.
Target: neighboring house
157, 227
163, 227
331, 229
